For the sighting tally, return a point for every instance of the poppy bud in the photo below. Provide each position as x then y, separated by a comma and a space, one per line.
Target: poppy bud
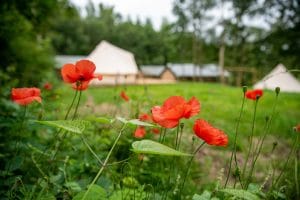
267, 118
277, 90
181, 125
274, 146
193, 138
237, 172
244, 89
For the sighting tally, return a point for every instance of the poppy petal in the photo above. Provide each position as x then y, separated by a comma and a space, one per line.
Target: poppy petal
145, 117
86, 69
25, 96
254, 94
209, 134
159, 117
155, 130
124, 96
192, 108
172, 102
140, 132
175, 112
28, 100
69, 73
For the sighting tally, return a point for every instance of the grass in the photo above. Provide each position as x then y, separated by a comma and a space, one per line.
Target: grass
220, 104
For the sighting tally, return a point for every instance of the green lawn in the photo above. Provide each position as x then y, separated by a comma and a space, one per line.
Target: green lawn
220, 104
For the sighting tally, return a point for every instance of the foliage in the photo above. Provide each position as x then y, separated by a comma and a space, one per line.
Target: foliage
187, 39
151, 147
51, 164
25, 49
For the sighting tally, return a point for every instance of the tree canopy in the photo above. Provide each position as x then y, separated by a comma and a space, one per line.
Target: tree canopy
32, 32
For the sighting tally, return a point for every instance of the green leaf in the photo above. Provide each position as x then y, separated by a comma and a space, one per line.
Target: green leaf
75, 187
243, 194
47, 197
129, 194
15, 163
139, 123
123, 120
135, 122
151, 147
206, 195
74, 126
130, 182
96, 193
103, 120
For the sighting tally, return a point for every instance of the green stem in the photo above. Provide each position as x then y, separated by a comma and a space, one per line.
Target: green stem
58, 144
160, 134
59, 131
69, 109
164, 135
233, 153
251, 141
268, 125
77, 105
177, 137
189, 166
180, 136
105, 162
91, 150
287, 161
21, 130
18, 139
296, 177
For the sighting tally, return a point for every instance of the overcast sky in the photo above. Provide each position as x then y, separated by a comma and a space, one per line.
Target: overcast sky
153, 9
156, 10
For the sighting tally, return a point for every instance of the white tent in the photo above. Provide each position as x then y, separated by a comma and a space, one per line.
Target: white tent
279, 77
112, 60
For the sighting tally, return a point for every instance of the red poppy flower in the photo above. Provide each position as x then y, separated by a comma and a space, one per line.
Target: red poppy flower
210, 134
155, 130
297, 128
140, 132
124, 96
173, 109
25, 96
48, 86
254, 94
145, 117
79, 74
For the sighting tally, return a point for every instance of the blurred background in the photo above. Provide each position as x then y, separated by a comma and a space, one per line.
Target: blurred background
247, 37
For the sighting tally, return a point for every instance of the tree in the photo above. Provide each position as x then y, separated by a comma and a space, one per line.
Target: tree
25, 48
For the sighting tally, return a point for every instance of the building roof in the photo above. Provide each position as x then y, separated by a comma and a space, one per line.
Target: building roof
152, 70
279, 77
187, 70
60, 60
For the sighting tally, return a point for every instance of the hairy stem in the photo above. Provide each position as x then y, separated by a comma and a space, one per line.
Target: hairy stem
260, 144
233, 153
251, 141
105, 162
189, 166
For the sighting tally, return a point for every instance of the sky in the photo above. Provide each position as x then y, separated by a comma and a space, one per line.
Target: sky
156, 10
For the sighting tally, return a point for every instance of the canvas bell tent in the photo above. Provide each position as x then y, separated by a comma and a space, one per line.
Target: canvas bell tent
115, 64
279, 77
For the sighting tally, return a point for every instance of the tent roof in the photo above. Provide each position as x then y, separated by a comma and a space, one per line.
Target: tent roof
112, 60
279, 77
